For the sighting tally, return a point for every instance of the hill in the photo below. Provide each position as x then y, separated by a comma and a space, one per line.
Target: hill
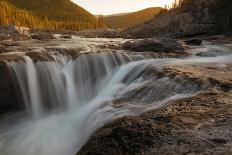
188, 18
126, 20
50, 14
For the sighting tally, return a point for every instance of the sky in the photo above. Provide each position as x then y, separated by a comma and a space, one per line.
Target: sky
106, 7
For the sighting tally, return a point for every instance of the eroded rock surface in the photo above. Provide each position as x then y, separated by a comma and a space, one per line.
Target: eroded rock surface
15, 33
197, 125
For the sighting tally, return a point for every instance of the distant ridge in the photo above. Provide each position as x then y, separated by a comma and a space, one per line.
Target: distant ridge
50, 14
118, 14
125, 20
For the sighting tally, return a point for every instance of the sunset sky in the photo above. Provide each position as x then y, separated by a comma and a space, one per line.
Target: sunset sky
119, 6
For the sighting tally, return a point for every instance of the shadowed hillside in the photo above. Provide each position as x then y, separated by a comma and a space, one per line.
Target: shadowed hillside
130, 19
51, 14
188, 18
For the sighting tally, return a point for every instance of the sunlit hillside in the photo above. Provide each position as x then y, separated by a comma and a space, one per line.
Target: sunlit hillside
51, 14
130, 19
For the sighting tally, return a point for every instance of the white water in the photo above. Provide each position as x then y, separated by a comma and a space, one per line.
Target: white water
67, 100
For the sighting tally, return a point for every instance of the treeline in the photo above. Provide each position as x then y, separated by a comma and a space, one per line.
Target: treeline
219, 11
23, 14
178, 5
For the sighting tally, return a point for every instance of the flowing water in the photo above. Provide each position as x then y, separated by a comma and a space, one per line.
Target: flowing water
66, 100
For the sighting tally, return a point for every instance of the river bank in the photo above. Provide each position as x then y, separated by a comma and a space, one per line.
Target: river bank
197, 125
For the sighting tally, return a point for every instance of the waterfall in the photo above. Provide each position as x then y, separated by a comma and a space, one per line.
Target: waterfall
67, 99
65, 83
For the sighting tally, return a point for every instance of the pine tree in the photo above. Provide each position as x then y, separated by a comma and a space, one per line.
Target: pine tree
29, 15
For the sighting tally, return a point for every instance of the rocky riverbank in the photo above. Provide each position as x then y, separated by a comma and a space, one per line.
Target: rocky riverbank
196, 125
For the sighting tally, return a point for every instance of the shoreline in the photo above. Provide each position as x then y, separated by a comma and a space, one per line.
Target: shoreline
181, 127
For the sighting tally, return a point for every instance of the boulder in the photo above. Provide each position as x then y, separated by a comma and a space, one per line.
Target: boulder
196, 42
43, 36
15, 33
154, 45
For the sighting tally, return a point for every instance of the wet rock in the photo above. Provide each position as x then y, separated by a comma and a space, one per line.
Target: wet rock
2, 49
196, 42
39, 56
156, 90
109, 46
200, 124
179, 128
208, 54
12, 46
44, 36
154, 45
214, 51
9, 43
15, 33
8, 95
222, 85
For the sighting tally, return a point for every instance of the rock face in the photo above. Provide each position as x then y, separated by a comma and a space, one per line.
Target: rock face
191, 19
8, 96
15, 33
154, 45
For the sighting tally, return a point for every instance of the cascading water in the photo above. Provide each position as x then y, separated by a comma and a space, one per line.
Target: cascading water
68, 99
65, 83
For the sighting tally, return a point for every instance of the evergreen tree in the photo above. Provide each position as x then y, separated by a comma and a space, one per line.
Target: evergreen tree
49, 14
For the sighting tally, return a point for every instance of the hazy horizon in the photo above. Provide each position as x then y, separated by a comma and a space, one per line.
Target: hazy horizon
107, 7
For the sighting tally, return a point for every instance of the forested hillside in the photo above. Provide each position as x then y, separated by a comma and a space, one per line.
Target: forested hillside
188, 18
50, 14
130, 19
